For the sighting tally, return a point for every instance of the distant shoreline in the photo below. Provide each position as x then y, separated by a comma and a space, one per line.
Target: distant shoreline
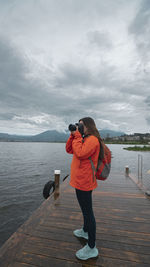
106, 142
21, 141
138, 148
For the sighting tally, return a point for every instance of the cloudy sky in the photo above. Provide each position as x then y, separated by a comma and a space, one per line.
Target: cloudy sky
63, 60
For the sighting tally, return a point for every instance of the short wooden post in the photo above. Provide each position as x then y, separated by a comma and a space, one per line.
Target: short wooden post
148, 191
127, 170
57, 179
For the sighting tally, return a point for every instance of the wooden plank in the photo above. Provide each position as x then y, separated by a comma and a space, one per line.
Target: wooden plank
10, 248
55, 241
100, 235
45, 250
111, 217
100, 230
122, 225
20, 264
59, 236
109, 213
69, 255
43, 261
108, 202
123, 230
14, 243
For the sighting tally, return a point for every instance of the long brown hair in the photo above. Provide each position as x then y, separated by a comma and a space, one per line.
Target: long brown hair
92, 130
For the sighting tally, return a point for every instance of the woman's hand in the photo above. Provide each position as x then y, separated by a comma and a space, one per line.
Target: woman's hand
74, 131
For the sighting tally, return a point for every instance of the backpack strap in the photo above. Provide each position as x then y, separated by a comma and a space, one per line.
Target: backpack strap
93, 168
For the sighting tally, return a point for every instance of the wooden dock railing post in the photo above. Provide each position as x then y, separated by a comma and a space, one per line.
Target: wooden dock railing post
127, 171
57, 180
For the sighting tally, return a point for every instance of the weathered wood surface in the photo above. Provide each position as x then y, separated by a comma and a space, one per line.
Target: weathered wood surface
122, 214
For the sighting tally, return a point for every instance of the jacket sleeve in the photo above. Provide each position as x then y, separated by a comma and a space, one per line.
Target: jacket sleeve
69, 144
86, 149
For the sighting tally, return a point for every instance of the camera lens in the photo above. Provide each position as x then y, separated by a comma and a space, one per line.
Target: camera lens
72, 127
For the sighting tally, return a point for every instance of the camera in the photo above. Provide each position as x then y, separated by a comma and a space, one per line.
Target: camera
73, 127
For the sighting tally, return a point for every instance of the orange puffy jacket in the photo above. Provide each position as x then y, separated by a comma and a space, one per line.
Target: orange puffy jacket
81, 170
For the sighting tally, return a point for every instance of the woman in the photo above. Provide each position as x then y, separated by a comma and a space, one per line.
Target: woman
83, 181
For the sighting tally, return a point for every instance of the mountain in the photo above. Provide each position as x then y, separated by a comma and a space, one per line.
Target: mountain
51, 136
9, 137
109, 133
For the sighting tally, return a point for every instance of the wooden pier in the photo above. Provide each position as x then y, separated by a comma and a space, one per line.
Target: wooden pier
122, 214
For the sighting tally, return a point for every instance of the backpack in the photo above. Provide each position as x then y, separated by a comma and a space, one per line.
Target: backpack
103, 166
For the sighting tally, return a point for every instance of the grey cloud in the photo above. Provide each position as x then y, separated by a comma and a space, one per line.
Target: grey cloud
147, 101
72, 75
141, 21
12, 76
16, 90
69, 99
148, 120
24, 96
81, 77
140, 29
99, 39
7, 116
68, 89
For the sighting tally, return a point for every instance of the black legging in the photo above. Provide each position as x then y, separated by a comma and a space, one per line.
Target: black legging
85, 202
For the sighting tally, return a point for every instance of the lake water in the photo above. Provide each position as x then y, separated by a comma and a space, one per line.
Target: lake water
26, 167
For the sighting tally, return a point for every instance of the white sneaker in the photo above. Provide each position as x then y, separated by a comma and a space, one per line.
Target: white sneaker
81, 233
86, 253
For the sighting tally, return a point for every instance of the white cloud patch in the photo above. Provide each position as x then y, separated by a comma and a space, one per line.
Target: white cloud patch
43, 121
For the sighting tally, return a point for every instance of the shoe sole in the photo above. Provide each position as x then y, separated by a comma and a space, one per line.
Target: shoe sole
84, 259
